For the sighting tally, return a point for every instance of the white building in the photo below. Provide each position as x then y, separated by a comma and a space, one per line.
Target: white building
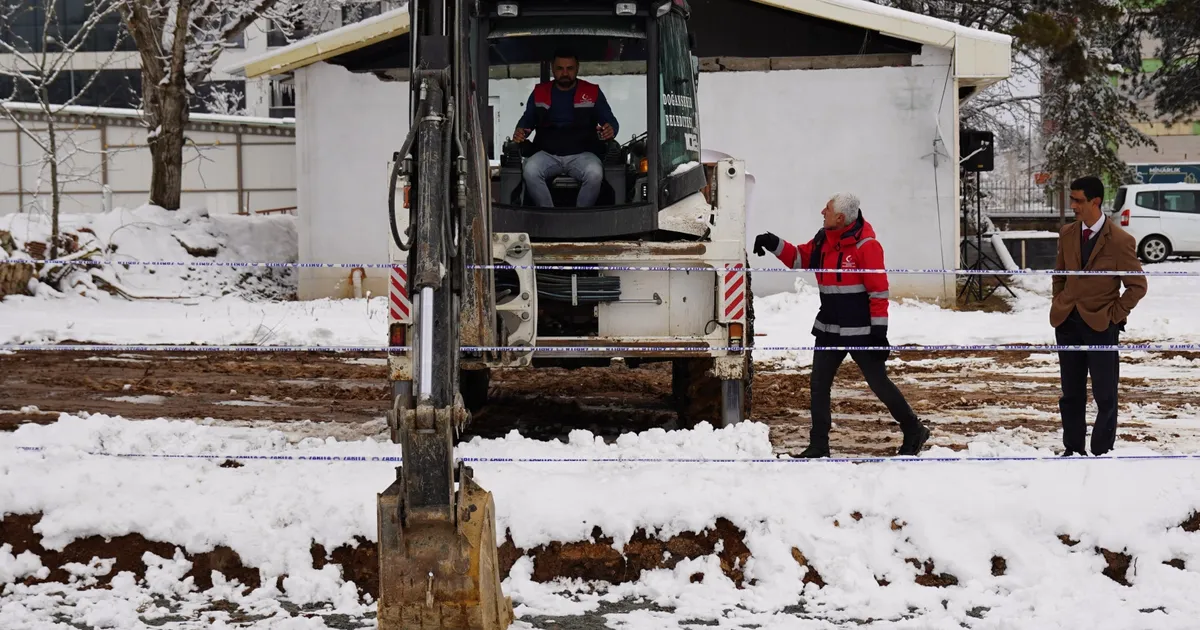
823, 96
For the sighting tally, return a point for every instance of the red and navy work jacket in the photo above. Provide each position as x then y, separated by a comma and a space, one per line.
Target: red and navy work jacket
577, 136
854, 306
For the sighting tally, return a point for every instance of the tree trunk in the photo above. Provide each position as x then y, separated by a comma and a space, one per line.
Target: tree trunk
168, 111
55, 199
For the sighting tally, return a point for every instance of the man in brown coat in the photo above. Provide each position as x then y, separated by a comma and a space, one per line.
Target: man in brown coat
1091, 310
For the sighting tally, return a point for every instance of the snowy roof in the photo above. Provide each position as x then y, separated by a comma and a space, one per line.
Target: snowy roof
339, 41
978, 54
113, 112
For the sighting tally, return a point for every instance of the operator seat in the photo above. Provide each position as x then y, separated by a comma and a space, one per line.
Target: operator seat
564, 189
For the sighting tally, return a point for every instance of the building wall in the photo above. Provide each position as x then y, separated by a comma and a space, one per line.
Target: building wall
805, 134
1170, 149
104, 152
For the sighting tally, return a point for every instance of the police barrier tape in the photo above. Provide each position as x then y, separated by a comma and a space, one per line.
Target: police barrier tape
615, 460
1145, 347
711, 268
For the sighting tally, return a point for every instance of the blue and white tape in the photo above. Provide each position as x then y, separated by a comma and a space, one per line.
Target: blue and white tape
615, 350
663, 268
615, 460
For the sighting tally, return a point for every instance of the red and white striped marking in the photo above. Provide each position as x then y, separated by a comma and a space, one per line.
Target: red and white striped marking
401, 305
733, 292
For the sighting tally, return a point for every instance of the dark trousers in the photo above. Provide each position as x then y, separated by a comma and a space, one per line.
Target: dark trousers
874, 369
1074, 367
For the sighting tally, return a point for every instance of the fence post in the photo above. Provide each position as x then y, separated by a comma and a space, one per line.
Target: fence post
1062, 206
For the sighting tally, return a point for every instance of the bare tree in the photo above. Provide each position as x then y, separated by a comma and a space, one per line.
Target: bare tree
179, 42
36, 67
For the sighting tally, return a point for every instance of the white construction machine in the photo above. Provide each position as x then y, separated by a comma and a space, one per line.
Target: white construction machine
484, 279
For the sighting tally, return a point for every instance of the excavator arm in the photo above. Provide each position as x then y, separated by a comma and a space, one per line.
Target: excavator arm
437, 539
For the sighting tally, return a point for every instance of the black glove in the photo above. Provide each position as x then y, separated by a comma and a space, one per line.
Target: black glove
879, 338
765, 242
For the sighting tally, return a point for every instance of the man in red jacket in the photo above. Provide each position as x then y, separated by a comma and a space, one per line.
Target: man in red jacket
854, 312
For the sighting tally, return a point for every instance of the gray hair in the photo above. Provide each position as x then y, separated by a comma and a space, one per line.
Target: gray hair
846, 205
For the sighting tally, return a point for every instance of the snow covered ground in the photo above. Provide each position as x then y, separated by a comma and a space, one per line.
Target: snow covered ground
857, 524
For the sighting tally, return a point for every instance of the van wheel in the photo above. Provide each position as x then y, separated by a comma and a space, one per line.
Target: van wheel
1154, 249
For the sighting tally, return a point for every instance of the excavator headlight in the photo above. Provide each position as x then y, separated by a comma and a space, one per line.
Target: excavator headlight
507, 9
626, 8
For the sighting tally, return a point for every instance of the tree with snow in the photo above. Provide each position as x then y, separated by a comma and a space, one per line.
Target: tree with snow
1175, 84
179, 42
1087, 116
37, 66
1073, 48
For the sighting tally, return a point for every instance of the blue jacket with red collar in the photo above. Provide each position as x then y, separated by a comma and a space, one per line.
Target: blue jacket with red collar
854, 306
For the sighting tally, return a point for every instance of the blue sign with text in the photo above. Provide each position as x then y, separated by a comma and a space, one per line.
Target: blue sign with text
1165, 173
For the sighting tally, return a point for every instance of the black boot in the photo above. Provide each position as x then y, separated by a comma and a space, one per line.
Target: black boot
815, 450
914, 442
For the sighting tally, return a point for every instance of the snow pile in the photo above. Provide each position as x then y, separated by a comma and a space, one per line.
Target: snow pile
857, 524
152, 234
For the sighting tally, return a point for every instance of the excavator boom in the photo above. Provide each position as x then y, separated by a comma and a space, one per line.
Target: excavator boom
437, 538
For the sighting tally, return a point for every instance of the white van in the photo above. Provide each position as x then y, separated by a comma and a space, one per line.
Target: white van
1163, 218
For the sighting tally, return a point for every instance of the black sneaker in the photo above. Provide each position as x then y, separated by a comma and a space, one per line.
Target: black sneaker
913, 443
814, 451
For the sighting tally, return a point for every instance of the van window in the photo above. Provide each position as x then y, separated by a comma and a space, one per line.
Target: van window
1147, 200
1119, 202
1179, 201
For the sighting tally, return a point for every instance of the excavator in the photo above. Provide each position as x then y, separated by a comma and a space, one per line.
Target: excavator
483, 279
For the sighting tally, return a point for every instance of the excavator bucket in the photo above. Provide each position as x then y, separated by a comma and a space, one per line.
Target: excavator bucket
438, 569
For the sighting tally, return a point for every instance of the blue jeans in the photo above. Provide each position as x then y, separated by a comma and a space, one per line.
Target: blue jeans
584, 168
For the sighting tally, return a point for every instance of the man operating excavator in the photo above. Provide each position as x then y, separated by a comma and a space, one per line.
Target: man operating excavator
572, 120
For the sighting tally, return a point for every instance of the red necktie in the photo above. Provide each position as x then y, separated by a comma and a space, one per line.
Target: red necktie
1087, 234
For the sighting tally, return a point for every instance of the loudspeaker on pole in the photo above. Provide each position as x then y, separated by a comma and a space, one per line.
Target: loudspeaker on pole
975, 148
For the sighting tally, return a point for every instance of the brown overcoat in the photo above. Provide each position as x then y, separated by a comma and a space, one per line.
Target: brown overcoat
1098, 298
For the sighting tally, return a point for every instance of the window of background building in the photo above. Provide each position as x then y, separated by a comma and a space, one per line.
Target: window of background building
283, 99
28, 30
220, 97
276, 36
107, 88
360, 11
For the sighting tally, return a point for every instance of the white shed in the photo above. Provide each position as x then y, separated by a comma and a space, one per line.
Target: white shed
883, 125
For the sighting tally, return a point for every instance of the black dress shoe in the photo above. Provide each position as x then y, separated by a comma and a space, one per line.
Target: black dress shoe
814, 451
1070, 453
914, 442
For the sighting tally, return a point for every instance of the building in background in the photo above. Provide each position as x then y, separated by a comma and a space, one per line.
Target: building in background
1176, 159
117, 65
817, 97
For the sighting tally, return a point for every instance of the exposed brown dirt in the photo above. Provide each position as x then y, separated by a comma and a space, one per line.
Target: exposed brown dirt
999, 566
812, 576
1117, 565
350, 390
927, 577
595, 559
18, 531
598, 560
1192, 524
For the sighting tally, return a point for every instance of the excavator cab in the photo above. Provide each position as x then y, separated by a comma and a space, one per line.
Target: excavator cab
640, 55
